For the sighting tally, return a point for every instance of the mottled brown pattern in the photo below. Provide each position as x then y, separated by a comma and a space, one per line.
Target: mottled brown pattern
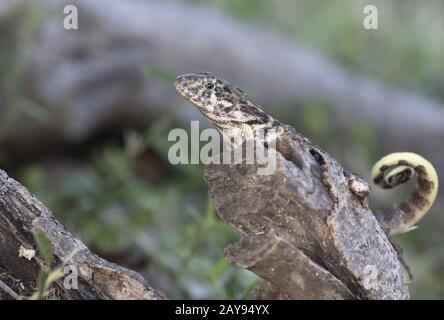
408, 210
417, 200
225, 105
400, 177
425, 185
378, 179
421, 172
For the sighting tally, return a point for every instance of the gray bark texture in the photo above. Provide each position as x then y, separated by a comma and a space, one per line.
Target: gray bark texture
21, 215
306, 228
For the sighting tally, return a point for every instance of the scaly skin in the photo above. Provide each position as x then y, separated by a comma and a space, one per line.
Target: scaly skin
396, 169
233, 114
229, 109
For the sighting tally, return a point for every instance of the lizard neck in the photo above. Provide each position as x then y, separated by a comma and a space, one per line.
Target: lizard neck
237, 133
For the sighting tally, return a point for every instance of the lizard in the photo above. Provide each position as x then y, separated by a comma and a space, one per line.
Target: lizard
233, 113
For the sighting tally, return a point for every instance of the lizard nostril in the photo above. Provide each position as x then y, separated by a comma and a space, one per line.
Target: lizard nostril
178, 81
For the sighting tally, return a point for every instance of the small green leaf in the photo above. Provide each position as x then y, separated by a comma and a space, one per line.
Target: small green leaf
41, 285
45, 247
249, 289
54, 276
210, 212
217, 271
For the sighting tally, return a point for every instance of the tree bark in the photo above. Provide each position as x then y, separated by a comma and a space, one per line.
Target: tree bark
21, 215
306, 228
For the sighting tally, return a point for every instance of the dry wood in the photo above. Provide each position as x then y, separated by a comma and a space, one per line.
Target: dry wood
305, 230
21, 215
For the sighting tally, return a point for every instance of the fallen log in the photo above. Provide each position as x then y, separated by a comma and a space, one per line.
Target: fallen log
21, 216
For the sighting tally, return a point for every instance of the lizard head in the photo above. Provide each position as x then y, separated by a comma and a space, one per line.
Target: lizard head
222, 103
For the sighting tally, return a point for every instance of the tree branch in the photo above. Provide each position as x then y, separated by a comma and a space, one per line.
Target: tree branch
21, 215
305, 229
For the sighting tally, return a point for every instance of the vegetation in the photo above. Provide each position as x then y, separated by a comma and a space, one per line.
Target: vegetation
131, 206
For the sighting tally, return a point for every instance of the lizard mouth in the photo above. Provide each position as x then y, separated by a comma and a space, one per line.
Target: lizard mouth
178, 83
192, 87
181, 86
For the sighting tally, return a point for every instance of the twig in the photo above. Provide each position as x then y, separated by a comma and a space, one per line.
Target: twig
8, 290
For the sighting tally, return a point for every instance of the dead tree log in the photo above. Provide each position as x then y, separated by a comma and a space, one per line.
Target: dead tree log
21, 215
306, 228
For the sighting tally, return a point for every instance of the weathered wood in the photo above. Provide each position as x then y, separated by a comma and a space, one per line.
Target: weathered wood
21, 215
304, 229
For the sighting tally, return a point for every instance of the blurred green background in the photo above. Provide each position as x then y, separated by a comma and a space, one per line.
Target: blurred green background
119, 194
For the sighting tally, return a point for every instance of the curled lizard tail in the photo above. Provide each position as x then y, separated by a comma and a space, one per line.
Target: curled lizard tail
396, 169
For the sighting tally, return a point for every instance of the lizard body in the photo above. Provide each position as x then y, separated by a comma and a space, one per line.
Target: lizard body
233, 113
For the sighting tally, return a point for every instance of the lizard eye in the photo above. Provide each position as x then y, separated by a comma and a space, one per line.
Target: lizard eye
210, 85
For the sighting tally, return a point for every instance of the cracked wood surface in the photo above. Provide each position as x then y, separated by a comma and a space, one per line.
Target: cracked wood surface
304, 229
21, 215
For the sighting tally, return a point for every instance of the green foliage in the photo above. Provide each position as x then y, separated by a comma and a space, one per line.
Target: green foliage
407, 49
45, 247
46, 276
127, 203
315, 121
169, 226
12, 58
